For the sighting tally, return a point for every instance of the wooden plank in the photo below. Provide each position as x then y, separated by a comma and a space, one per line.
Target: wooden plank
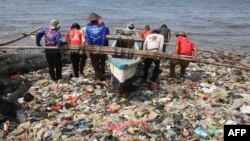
122, 29
124, 37
20, 37
118, 50
34, 34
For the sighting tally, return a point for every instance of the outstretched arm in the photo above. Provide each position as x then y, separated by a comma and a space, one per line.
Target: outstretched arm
39, 36
104, 36
59, 39
89, 41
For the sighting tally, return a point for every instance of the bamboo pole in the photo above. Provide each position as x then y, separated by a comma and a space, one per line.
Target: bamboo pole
201, 50
20, 37
124, 37
63, 34
133, 30
225, 55
118, 51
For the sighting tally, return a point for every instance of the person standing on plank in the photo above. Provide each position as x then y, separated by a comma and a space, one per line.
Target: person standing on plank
154, 42
184, 48
53, 38
96, 35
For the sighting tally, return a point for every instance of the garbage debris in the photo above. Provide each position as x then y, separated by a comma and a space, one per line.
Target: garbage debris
192, 108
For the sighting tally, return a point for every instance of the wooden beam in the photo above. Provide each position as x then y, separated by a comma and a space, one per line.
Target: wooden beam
20, 37
118, 51
231, 58
63, 34
124, 37
122, 29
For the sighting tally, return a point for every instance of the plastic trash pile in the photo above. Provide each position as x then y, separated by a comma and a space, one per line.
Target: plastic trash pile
194, 108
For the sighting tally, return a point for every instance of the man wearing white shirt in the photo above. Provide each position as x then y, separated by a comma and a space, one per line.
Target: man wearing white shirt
153, 42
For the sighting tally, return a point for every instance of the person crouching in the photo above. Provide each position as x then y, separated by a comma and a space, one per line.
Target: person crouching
154, 42
75, 40
184, 48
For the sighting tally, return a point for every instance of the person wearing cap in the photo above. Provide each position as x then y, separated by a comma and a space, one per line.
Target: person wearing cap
75, 39
129, 30
53, 38
184, 48
146, 32
96, 35
165, 31
154, 42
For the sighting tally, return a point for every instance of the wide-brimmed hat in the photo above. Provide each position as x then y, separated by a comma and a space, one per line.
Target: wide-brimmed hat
181, 34
54, 24
94, 17
147, 27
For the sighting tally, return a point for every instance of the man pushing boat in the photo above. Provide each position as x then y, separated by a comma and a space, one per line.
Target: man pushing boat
53, 38
154, 42
184, 48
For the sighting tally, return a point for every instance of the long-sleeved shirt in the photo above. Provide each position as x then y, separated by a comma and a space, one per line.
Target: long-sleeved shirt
96, 34
154, 42
74, 37
52, 38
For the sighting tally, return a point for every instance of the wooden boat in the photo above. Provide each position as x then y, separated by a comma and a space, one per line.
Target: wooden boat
123, 67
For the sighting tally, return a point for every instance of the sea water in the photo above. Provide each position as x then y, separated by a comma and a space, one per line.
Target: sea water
211, 24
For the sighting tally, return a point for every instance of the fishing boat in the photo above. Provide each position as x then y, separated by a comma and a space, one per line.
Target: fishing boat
123, 67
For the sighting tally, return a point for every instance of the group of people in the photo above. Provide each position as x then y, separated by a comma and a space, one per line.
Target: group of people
95, 34
156, 41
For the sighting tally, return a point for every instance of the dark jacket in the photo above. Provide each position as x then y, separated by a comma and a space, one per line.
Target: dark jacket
165, 31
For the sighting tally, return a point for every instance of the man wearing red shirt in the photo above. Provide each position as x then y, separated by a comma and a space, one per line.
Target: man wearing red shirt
74, 38
184, 48
146, 32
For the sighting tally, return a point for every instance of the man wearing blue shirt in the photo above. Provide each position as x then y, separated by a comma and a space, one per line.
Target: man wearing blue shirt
96, 35
53, 38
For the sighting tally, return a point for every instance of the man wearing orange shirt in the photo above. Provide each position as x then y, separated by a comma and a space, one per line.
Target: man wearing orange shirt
74, 38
